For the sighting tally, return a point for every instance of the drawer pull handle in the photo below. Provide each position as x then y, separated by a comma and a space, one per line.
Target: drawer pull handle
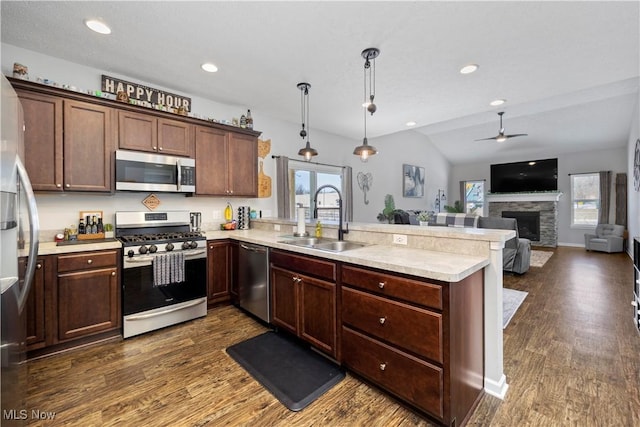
381, 285
38, 266
89, 261
113, 273
383, 366
382, 320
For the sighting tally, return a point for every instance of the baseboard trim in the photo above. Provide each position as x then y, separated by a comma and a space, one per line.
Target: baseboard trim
497, 389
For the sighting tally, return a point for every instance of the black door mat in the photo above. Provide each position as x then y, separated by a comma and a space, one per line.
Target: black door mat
295, 375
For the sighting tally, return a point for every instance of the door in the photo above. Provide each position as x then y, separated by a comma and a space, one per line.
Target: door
137, 131
284, 302
318, 313
175, 138
211, 161
88, 147
243, 159
218, 272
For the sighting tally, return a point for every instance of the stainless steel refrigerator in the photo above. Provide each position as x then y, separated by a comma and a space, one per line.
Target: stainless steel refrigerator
19, 230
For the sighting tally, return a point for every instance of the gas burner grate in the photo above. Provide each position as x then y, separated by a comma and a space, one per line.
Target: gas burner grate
161, 237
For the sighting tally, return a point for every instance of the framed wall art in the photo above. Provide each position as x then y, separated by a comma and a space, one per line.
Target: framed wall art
412, 181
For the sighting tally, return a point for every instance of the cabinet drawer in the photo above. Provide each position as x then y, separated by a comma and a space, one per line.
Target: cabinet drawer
414, 329
408, 377
427, 294
86, 260
303, 264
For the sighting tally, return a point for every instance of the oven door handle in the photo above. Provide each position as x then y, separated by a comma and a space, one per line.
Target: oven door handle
192, 254
169, 310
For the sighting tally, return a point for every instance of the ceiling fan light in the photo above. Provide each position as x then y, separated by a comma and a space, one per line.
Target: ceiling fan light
501, 138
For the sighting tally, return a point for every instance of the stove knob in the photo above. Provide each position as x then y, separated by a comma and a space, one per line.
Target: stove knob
130, 253
168, 247
143, 249
153, 249
185, 245
193, 245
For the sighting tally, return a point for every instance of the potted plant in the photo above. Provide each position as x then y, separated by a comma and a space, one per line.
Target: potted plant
388, 211
424, 217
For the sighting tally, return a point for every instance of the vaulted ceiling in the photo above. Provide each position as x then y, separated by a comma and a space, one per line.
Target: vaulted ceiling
568, 70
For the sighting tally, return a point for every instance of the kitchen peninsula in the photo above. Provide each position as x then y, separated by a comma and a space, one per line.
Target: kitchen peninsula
434, 285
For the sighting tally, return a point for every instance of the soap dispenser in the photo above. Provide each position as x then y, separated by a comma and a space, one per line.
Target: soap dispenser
228, 212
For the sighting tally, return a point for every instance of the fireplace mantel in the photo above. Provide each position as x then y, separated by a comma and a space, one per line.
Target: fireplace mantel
524, 197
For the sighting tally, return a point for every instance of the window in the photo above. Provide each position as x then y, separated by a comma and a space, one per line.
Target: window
474, 197
305, 179
585, 199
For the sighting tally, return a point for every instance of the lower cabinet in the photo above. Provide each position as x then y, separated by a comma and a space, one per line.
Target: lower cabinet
420, 340
218, 274
74, 298
303, 299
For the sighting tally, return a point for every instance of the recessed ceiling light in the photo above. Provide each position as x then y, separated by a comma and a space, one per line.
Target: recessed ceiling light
497, 102
97, 26
411, 123
209, 67
469, 68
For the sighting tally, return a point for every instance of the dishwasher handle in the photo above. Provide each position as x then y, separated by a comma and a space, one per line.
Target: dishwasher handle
259, 249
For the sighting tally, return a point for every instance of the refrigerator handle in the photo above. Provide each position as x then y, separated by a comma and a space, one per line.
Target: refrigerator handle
34, 231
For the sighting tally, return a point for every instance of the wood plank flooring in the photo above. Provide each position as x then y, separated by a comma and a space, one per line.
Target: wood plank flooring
572, 357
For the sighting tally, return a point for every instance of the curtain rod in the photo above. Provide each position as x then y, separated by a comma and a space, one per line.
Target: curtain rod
305, 162
585, 173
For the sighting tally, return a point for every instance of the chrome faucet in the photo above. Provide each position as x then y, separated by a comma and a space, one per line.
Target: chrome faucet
341, 232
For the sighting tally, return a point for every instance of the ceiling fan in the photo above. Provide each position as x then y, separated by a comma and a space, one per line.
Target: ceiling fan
501, 137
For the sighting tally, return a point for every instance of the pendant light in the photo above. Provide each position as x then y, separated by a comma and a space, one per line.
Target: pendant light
307, 152
370, 54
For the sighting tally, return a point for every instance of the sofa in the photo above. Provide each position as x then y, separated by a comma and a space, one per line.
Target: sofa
607, 238
516, 255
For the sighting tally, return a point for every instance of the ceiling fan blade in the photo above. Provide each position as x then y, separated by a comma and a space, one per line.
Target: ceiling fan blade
487, 139
515, 134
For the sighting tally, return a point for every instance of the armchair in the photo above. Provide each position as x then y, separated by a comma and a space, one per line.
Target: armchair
607, 238
516, 255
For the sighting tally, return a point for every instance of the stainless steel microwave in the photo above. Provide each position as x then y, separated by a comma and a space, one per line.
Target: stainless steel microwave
137, 171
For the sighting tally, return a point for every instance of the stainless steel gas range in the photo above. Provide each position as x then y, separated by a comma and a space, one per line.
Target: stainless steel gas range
164, 278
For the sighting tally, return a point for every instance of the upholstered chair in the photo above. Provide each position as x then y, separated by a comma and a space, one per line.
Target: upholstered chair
607, 238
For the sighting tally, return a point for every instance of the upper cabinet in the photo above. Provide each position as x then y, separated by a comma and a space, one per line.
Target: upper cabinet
226, 163
76, 159
144, 132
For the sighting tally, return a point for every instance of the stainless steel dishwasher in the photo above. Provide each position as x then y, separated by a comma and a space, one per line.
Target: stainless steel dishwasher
253, 280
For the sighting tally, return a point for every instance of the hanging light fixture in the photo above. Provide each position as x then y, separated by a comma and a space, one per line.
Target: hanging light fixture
370, 54
307, 152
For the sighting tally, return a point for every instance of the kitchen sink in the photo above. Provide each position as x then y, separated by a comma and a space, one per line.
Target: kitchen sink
323, 244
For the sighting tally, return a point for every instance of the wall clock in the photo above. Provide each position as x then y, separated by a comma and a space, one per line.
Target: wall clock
636, 166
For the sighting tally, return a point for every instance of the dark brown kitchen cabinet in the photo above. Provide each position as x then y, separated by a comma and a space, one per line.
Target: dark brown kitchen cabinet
87, 294
233, 270
43, 140
420, 340
226, 163
146, 132
303, 299
35, 306
88, 147
218, 277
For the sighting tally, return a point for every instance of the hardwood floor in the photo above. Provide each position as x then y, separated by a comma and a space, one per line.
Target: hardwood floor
572, 357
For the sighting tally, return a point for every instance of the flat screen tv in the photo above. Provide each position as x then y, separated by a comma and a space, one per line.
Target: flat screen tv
529, 176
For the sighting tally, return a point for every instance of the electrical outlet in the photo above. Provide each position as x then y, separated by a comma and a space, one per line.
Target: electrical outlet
400, 239
276, 227
217, 214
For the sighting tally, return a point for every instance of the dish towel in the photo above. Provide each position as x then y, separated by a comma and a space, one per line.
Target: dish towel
168, 268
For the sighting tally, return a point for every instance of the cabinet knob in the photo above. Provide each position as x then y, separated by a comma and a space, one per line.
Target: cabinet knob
383, 366
381, 285
59, 185
68, 185
211, 247
89, 261
38, 266
382, 320
155, 148
159, 148
113, 273
230, 191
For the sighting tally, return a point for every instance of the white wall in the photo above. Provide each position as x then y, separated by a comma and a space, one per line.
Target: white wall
58, 211
614, 160
407, 147
633, 205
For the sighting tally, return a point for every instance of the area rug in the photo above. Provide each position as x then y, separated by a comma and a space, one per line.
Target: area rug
295, 375
511, 300
539, 258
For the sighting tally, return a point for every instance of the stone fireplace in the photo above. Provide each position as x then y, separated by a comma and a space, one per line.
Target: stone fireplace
531, 207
